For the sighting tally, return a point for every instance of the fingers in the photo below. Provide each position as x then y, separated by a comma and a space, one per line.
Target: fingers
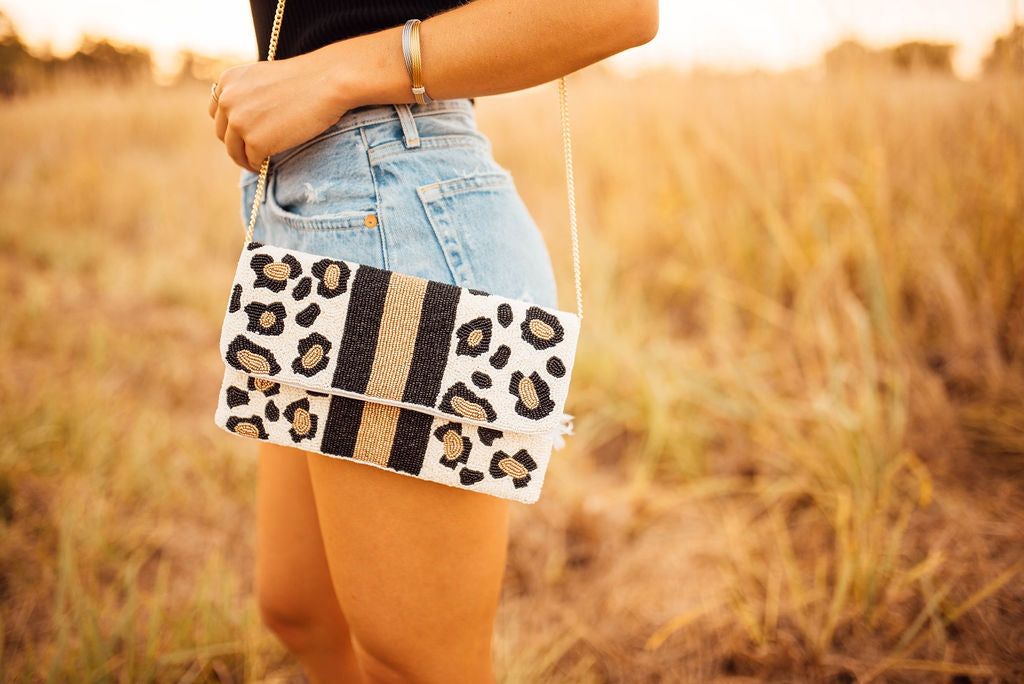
221, 123
242, 152
212, 108
236, 148
254, 156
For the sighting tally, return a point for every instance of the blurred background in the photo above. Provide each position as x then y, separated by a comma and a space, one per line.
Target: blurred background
799, 448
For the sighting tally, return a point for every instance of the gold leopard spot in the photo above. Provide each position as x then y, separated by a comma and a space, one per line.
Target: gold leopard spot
452, 445
513, 467
313, 356
262, 384
277, 270
541, 330
252, 362
301, 422
528, 393
247, 430
475, 338
267, 319
468, 409
332, 276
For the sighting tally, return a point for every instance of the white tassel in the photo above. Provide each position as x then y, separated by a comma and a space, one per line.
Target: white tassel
564, 427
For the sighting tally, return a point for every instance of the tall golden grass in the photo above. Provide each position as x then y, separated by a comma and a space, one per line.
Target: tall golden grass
799, 449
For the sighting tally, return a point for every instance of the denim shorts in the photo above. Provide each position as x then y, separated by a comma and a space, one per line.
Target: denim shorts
411, 188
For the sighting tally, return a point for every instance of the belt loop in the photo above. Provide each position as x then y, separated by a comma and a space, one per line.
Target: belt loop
412, 135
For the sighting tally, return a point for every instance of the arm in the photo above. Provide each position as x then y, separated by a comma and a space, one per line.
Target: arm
482, 48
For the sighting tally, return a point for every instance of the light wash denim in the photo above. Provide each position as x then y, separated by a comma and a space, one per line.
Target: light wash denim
411, 188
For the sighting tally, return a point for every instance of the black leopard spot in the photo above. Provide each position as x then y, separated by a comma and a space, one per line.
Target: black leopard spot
541, 329
271, 411
487, 435
268, 387
236, 299
312, 356
505, 315
246, 355
533, 393
333, 276
469, 477
516, 466
265, 319
474, 337
460, 400
236, 396
556, 367
456, 446
274, 275
302, 289
303, 421
247, 427
478, 292
253, 245
481, 380
500, 357
307, 316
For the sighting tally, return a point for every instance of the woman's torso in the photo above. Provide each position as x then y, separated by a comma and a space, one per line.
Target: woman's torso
311, 24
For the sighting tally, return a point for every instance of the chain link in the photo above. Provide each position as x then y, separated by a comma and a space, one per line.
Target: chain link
275, 32
566, 144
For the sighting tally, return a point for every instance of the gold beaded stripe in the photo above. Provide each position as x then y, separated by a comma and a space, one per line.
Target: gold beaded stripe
376, 433
399, 324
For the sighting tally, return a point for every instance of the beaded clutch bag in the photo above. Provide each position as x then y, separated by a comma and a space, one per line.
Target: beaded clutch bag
421, 377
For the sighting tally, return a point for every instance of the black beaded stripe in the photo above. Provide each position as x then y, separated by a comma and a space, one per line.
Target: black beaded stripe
433, 342
342, 426
410, 445
362, 324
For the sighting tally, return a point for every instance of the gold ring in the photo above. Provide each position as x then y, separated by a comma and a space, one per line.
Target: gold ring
213, 92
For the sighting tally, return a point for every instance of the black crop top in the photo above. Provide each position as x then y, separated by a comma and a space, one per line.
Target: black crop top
311, 24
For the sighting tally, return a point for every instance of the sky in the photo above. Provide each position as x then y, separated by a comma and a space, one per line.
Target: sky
729, 34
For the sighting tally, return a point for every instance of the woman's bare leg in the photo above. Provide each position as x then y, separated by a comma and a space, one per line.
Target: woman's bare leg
417, 567
296, 596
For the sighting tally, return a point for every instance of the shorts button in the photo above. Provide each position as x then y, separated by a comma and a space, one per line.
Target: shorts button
370, 221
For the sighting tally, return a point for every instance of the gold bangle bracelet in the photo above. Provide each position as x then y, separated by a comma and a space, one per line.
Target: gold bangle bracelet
416, 64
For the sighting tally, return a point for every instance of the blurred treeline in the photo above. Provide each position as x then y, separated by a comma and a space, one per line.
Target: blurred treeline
22, 68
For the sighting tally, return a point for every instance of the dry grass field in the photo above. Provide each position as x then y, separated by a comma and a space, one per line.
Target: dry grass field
799, 401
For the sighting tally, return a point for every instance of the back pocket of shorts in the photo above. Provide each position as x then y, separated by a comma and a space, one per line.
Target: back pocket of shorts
460, 205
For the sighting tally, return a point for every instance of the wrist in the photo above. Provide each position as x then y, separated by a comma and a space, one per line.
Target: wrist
367, 69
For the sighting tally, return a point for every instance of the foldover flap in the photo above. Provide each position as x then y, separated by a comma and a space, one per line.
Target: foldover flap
337, 327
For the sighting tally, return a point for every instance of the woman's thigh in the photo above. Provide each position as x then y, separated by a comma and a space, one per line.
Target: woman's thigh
417, 567
292, 576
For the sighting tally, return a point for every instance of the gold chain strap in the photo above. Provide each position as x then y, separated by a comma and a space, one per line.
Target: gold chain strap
566, 144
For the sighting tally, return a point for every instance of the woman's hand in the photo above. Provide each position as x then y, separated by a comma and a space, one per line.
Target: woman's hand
265, 107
